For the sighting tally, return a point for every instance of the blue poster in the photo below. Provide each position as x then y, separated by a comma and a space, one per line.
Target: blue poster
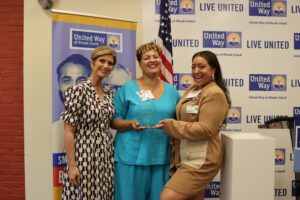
74, 37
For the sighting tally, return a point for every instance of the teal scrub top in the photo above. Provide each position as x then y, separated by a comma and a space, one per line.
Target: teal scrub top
149, 146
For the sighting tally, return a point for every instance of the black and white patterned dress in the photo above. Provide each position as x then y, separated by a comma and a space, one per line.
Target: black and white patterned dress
93, 142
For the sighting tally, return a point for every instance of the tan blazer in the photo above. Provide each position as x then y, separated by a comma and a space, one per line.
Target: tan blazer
197, 136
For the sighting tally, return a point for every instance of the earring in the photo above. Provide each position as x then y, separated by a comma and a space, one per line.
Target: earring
213, 76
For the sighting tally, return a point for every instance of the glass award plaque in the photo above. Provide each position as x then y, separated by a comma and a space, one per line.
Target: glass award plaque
146, 110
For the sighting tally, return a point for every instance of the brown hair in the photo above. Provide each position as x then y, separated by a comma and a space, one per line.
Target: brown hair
102, 51
146, 47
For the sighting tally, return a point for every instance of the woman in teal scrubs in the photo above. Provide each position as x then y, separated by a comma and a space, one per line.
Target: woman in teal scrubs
142, 151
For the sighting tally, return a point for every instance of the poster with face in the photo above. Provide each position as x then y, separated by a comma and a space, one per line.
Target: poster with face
74, 37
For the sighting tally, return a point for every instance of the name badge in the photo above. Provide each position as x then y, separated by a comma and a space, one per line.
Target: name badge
145, 95
192, 109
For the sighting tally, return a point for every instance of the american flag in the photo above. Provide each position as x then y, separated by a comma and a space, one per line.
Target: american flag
165, 41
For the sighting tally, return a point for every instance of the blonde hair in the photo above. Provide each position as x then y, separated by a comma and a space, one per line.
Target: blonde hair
102, 51
146, 47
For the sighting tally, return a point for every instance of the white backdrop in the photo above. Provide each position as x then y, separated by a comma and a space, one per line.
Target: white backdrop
258, 46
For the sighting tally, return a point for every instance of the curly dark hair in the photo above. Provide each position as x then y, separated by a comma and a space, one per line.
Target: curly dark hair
146, 47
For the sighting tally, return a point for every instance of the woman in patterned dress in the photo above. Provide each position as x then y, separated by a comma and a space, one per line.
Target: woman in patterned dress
88, 143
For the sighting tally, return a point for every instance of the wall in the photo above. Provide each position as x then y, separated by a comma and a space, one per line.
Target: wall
37, 82
258, 46
11, 101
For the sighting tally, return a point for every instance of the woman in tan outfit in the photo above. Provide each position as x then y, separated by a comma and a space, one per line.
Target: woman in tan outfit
201, 113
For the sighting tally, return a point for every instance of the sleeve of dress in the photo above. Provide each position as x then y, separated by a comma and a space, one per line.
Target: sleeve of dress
73, 105
120, 104
211, 114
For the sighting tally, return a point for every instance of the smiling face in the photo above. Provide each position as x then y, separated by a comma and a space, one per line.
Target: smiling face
102, 66
150, 63
71, 74
201, 71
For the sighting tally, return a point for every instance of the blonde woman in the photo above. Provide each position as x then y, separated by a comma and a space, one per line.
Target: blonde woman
88, 143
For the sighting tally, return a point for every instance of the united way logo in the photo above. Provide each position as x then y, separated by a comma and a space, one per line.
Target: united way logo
187, 7
279, 8
268, 8
267, 82
114, 42
279, 82
279, 156
234, 115
222, 39
234, 40
87, 39
185, 81
178, 7
296, 40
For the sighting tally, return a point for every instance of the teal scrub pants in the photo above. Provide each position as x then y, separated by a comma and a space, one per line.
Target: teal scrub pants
140, 182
